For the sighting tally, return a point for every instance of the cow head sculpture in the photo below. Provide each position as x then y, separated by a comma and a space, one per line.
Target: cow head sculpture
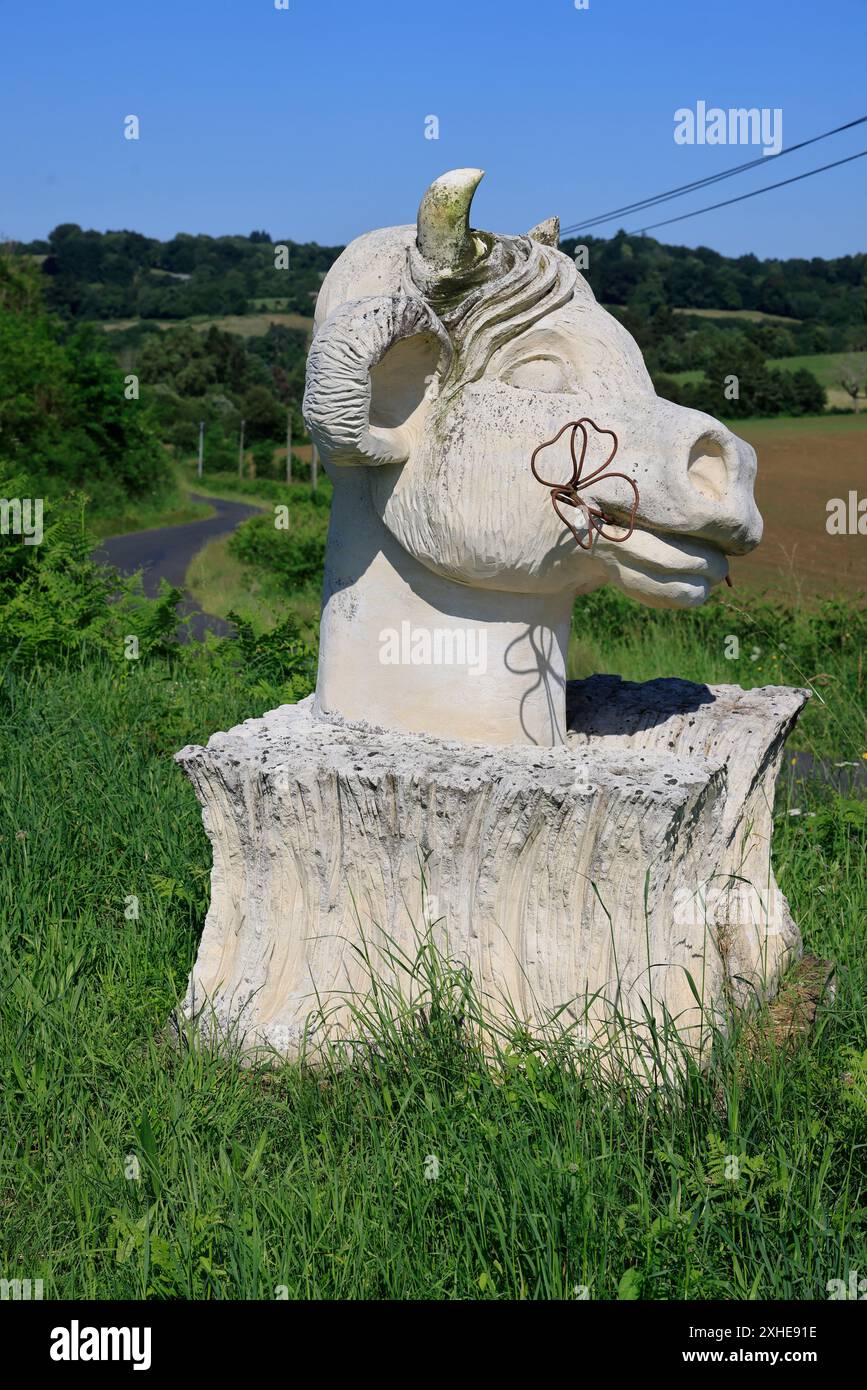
443, 357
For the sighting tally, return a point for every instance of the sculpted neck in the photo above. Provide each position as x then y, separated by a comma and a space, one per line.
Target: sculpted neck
402, 648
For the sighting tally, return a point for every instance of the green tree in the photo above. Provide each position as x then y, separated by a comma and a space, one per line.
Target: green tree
66, 420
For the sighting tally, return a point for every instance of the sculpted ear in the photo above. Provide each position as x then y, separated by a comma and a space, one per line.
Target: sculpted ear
368, 374
547, 232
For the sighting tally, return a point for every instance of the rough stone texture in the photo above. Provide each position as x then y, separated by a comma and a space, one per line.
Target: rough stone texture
569, 876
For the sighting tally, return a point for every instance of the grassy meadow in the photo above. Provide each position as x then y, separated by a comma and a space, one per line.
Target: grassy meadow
132, 1166
250, 325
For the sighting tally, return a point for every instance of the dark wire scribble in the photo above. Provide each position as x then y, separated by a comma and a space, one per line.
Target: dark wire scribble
567, 493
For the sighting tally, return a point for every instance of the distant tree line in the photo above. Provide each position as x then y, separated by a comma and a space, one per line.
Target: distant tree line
117, 275
109, 275
736, 382
645, 274
223, 378
643, 282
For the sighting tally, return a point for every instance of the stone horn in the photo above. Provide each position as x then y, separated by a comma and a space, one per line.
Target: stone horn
443, 236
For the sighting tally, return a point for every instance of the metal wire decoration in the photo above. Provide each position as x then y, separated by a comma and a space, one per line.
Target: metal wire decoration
566, 494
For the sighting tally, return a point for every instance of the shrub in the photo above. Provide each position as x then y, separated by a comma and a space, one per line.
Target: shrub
56, 604
64, 418
293, 557
278, 657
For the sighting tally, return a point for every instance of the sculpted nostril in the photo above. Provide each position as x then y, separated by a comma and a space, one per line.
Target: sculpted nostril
706, 468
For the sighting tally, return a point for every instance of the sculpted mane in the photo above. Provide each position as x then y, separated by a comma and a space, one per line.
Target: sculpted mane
519, 282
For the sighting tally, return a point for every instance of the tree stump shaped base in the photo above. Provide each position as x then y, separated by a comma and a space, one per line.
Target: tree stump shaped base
622, 877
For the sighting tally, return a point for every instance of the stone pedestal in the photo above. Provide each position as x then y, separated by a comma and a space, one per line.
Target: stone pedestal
624, 876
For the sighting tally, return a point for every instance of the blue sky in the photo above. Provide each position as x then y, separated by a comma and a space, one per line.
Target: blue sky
309, 122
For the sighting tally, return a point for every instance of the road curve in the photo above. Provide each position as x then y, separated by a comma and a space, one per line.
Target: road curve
166, 551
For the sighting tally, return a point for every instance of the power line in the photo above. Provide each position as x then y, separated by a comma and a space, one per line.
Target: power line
710, 179
703, 183
755, 193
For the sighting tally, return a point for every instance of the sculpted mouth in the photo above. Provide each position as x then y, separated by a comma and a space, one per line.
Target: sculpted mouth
658, 556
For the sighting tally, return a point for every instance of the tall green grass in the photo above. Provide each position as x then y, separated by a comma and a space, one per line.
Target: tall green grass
132, 1166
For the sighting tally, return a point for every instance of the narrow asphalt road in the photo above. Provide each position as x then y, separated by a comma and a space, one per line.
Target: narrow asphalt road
166, 552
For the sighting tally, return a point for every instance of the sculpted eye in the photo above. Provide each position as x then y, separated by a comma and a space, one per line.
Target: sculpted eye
538, 374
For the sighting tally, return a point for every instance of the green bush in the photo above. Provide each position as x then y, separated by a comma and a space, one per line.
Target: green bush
293, 557
56, 604
279, 657
58, 609
841, 825
64, 417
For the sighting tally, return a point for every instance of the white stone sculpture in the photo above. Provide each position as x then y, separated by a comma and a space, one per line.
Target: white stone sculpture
442, 358
604, 862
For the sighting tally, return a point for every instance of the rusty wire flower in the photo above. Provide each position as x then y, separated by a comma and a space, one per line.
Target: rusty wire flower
567, 494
